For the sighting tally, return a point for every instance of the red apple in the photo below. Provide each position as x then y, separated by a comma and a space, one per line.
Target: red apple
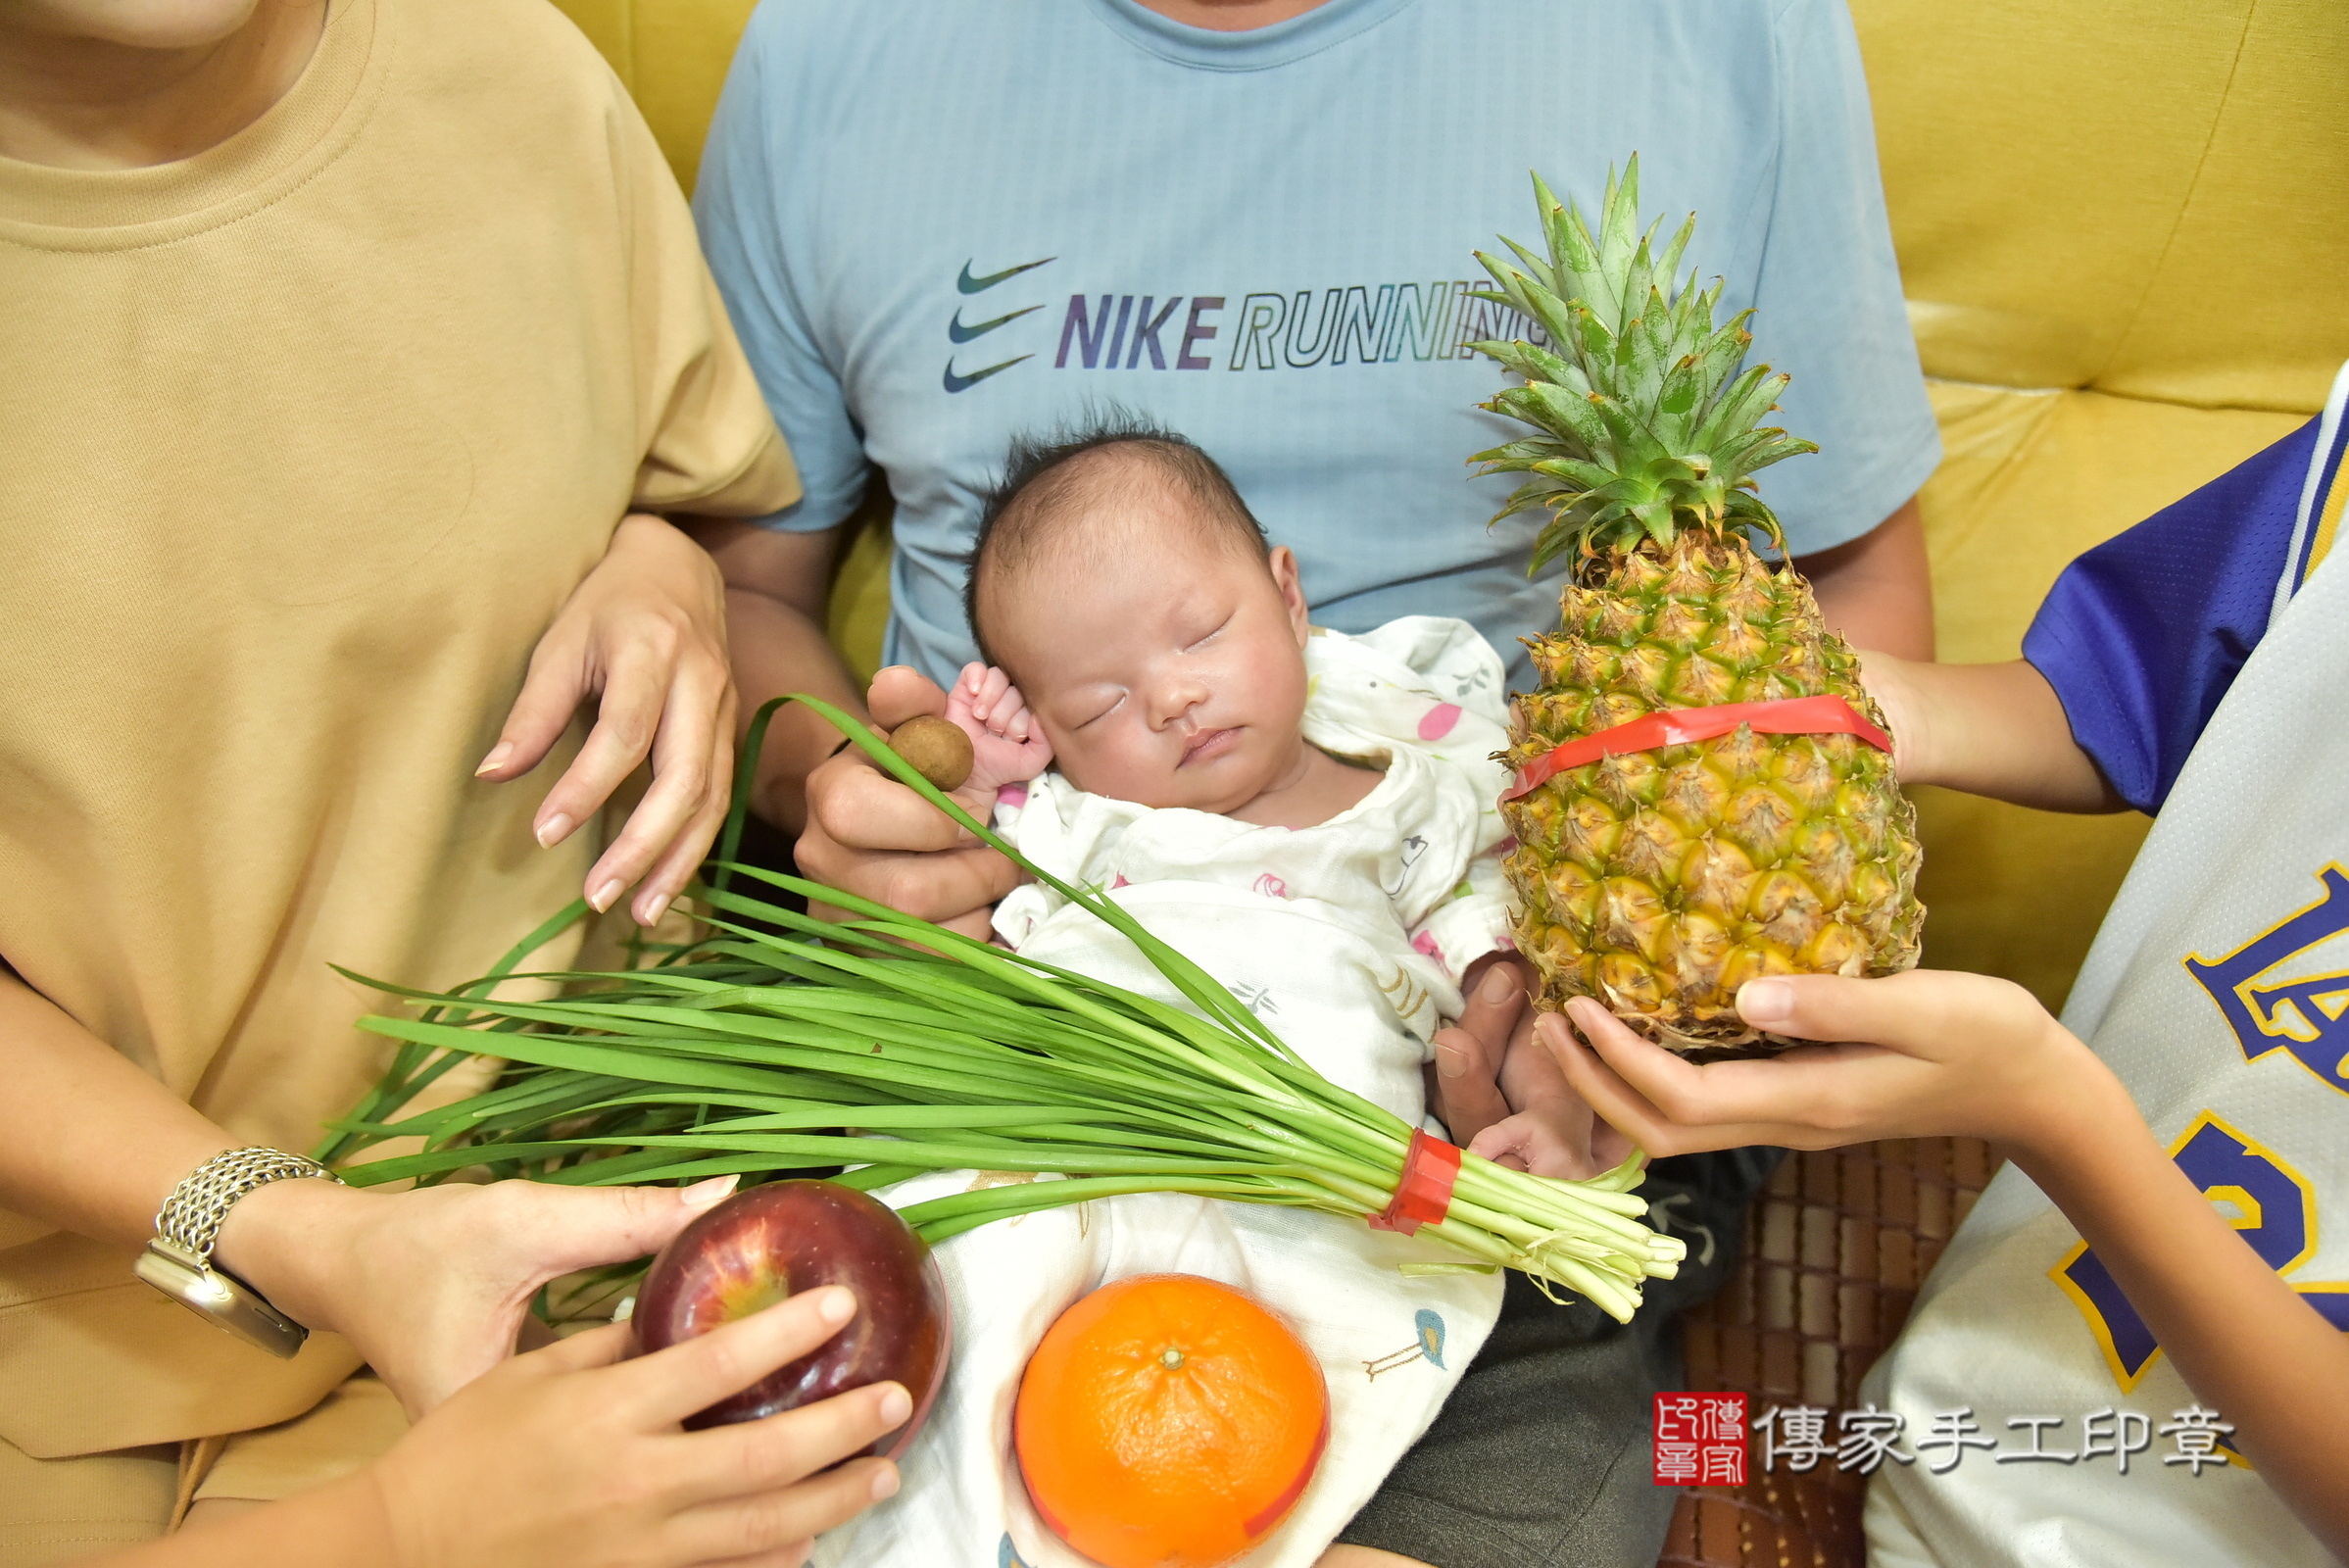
757, 1247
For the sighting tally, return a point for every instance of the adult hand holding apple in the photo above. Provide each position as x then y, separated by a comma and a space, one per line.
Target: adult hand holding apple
571, 1457
596, 1468
791, 1237
433, 1285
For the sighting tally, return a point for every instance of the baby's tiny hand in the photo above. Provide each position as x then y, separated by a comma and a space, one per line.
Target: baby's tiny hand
1554, 1136
1551, 1131
1008, 745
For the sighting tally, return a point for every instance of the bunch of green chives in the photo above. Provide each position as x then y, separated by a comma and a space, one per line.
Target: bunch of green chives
783, 1044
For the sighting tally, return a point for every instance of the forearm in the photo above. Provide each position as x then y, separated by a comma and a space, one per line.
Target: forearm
340, 1525
87, 1141
778, 649
1989, 730
1876, 591
91, 1143
777, 585
2246, 1345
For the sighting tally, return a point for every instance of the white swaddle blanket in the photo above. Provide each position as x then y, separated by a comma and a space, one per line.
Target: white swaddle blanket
1349, 939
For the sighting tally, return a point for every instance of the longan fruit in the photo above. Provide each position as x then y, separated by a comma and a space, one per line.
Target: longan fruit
938, 749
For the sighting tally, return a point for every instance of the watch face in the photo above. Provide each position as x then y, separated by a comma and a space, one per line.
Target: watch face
221, 1298
198, 1289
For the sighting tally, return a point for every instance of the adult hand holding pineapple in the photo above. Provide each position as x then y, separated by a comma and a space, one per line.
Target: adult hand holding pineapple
1928, 1054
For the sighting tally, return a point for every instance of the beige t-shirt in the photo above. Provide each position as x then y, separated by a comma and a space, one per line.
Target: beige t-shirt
306, 439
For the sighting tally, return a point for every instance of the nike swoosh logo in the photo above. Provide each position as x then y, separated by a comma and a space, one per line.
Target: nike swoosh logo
963, 383
956, 332
972, 286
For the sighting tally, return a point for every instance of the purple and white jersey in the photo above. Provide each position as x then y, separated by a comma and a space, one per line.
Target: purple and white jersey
2142, 635
2218, 990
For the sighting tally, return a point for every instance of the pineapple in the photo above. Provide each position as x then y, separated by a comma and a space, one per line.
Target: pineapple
1660, 881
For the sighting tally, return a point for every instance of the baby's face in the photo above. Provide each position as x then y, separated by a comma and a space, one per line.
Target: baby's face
1170, 672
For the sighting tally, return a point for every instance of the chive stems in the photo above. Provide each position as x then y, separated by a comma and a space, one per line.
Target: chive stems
783, 1045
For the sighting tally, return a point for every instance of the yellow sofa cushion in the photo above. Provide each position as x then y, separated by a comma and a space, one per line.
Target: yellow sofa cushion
672, 56
2143, 197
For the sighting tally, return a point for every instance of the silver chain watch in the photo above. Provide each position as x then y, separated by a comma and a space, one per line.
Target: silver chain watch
178, 1260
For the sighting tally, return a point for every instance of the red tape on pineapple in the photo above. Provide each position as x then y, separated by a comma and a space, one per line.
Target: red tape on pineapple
1423, 1197
1679, 726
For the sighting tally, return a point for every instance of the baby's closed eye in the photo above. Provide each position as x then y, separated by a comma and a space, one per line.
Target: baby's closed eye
1099, 713
1207, 636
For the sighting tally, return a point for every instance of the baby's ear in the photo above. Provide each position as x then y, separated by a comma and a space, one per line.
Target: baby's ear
1284, 577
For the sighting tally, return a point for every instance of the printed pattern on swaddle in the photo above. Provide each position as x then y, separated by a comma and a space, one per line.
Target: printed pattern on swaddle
1348, 939
1373, 915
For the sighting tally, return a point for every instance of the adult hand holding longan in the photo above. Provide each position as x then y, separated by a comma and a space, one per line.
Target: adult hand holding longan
1965, 1054
870, 835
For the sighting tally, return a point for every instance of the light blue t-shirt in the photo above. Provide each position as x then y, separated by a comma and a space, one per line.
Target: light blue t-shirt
941, 223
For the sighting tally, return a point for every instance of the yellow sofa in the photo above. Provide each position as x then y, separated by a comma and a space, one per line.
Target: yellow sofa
2123, 227
2123, 231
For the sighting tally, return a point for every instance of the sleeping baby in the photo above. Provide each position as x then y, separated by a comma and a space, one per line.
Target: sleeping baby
1308, 815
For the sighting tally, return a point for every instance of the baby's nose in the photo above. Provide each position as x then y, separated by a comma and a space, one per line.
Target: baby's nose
1176, 701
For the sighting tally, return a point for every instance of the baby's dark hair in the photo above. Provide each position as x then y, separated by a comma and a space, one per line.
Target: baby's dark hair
1045, 483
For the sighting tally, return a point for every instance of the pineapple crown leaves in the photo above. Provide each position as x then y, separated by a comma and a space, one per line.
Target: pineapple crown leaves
1645, 422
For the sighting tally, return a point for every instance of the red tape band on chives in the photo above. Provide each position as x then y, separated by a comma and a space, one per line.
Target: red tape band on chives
1423, 1197
1679, 726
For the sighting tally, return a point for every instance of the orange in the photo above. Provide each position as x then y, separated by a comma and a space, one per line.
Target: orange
1167, 1421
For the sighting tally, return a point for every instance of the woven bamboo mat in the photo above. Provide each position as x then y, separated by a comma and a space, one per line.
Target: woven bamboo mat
1836, 1248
